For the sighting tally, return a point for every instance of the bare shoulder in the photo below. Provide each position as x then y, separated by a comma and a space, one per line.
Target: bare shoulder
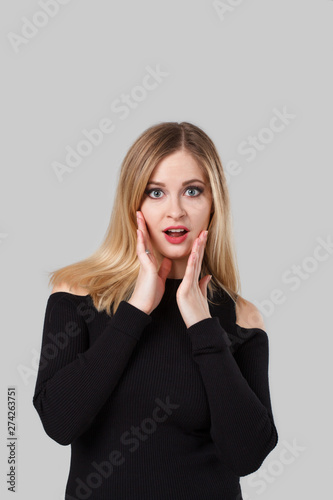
248, 315
64, 287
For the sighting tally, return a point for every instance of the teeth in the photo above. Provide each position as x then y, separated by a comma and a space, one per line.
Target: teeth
175, 230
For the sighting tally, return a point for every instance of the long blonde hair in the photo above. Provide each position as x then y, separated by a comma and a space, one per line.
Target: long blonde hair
110, 273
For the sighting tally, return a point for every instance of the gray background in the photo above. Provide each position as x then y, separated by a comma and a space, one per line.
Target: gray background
226, 75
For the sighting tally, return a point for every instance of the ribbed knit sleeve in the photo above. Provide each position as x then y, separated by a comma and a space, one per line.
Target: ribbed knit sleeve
242, 425
74, 379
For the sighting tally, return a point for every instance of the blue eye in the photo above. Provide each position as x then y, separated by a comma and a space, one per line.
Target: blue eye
197, 188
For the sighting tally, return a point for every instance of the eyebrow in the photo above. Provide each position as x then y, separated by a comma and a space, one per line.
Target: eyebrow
183, 184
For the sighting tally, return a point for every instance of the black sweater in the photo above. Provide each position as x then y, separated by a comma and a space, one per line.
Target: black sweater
154, 410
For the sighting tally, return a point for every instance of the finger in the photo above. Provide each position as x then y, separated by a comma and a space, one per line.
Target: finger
145, 236
142, 246
195, 265
199, 257
189, 271
145, 233
194, 262
194, 252
203, 239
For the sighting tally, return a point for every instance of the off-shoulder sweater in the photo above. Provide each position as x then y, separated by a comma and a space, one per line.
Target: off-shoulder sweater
154, 410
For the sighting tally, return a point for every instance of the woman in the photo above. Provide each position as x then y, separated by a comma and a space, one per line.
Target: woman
156, 374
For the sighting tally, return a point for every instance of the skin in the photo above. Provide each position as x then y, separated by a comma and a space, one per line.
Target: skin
175, 205
172, 205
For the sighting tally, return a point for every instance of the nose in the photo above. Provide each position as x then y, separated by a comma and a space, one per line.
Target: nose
175, 209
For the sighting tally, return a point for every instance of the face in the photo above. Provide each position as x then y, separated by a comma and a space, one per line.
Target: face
177, 202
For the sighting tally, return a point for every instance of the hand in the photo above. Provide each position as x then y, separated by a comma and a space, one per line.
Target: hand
247, 314
192, 294
150, 284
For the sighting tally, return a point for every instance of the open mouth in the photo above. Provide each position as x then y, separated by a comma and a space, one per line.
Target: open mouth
176, 233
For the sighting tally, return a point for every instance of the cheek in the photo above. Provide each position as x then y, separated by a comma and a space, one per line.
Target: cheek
147, 213
150, 221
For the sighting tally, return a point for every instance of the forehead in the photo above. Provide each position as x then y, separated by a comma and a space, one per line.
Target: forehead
180, 166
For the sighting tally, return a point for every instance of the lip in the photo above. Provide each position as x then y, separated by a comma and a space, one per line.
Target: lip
175, 239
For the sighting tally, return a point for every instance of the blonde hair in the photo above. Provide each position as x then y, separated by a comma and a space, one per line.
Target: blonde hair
109, 274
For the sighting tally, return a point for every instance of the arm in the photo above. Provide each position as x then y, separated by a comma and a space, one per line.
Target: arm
74, 380
242, 425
